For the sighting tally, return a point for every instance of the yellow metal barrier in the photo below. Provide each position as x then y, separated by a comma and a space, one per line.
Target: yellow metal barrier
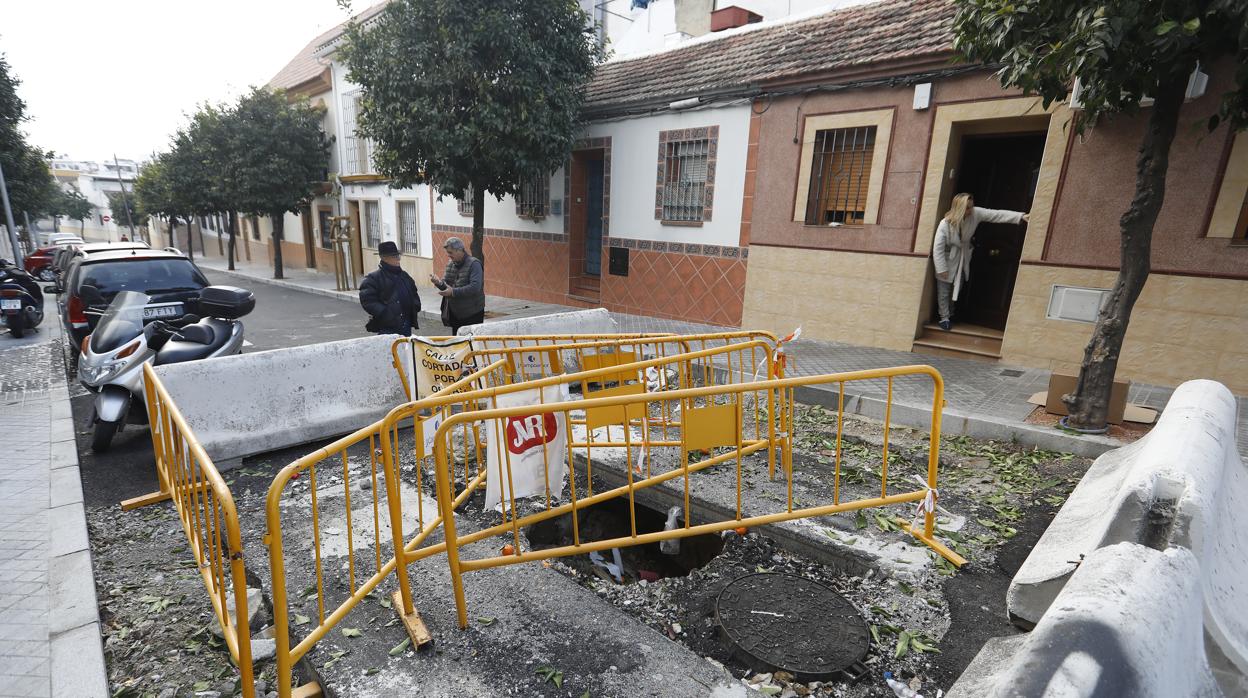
209, 519
361, 581
713, 418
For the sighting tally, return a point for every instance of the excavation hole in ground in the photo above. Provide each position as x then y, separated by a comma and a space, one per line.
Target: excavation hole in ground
611, 520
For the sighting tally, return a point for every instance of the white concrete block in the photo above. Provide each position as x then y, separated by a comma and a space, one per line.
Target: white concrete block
72, 587
254, 403
68, 530
1127, 624
596, 321
78, 663
1188, 463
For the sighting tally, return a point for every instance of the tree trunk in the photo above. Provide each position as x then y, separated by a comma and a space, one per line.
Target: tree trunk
82, 225
1089, 404
216, 217
477, 245
231, 222
190, 238
173, 231
279, 225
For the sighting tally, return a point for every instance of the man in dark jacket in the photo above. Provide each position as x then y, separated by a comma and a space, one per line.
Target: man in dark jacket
462, 288
389, 295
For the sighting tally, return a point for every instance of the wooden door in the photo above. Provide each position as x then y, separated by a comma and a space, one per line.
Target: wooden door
357, 251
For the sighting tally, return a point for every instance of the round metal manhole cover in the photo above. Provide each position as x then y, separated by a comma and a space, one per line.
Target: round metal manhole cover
784, 622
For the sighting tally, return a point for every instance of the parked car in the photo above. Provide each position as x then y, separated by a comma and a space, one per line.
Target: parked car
39, 263
66, 253
92, 280
62, 239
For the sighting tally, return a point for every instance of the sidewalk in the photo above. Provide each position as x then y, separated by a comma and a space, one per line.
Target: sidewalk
49, 622
984, 400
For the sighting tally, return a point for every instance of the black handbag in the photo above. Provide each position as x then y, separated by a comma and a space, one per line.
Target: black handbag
446, 311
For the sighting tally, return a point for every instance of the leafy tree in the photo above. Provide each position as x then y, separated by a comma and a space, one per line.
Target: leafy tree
31, 188
152, 192
471, 95
72, 204
121, 205
1121, 51
277, 154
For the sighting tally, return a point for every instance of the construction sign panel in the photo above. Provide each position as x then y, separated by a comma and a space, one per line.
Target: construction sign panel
527, 452
435, 365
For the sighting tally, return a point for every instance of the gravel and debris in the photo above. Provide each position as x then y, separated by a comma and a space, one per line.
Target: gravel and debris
925, 626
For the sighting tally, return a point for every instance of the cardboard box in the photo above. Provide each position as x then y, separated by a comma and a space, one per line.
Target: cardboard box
1060, 385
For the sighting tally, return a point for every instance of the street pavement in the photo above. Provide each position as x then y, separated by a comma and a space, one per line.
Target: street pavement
49, 623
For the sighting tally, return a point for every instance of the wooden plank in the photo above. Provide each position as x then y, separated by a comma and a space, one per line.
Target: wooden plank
307, 690
145, 500
421, 639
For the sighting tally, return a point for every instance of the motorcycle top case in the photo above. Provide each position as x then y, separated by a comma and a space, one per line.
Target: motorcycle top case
227, 302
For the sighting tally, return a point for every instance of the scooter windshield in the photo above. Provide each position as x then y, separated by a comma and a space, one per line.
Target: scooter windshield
122, 322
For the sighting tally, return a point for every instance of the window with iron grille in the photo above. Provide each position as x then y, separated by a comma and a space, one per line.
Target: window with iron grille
372, 222
327, 227
840, 176
533, 199
685, 179
465, 202
408, 231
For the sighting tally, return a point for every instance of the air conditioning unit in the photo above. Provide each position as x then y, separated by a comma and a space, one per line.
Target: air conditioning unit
1076, 304
1197, 83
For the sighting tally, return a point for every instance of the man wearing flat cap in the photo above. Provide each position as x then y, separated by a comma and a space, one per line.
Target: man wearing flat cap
462, 288
389, 295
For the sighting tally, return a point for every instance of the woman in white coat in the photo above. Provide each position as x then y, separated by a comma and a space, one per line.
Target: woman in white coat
951, 251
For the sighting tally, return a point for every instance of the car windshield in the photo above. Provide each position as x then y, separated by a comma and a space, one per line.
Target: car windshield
122, 322
150, 276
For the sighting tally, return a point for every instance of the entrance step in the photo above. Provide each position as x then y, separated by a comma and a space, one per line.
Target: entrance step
962, 341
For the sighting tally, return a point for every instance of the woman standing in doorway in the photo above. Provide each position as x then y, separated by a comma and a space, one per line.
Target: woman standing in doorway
951, 251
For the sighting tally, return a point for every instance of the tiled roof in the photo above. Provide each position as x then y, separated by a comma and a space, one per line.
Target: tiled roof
853, 36
305, 65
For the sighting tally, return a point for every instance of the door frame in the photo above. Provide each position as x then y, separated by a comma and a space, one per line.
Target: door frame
581, 283
949, 123
357, 249
309, 253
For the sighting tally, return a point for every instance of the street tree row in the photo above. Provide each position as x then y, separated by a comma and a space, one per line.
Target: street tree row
264, 155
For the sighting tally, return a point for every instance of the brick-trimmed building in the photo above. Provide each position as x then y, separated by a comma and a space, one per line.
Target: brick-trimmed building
841, 140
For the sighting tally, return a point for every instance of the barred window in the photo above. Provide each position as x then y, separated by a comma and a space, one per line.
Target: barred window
408, 230
465, 202
372, 220
533, 199
840, 176
684, 179
327, 227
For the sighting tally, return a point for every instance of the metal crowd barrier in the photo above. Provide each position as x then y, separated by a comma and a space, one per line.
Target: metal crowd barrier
361, 582
209, 519
712, 419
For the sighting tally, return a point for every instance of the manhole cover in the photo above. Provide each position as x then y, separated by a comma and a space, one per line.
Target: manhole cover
782, 621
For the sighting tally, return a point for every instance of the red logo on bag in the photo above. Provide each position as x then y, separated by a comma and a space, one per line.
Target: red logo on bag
526, 432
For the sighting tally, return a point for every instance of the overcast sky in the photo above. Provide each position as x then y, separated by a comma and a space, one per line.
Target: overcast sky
105, 76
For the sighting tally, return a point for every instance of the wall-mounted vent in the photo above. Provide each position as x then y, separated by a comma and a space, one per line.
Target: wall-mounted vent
1076, 304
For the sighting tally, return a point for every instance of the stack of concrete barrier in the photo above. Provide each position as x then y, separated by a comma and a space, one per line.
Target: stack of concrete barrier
254, 403
1138, 587
243, 405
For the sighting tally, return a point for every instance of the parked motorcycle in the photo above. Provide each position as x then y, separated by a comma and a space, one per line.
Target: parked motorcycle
21, 300
130, 334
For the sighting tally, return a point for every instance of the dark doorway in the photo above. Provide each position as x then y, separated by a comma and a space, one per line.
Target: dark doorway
585, 210
357, 253
1000, 171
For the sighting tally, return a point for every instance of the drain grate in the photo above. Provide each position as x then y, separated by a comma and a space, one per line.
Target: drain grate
784, 622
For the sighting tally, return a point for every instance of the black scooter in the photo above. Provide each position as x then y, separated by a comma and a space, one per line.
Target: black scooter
21, 300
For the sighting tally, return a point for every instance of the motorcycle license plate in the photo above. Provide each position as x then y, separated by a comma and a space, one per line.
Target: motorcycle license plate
159, 311
11, 304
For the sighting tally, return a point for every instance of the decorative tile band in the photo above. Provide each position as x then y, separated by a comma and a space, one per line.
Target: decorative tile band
728, 251
466, 232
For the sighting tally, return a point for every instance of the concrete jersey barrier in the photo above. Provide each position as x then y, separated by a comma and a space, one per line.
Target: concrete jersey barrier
254, 403
596, 321
1183, 485
1127, 624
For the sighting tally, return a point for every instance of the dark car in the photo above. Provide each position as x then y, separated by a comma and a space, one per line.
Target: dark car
62, 257
92, 280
